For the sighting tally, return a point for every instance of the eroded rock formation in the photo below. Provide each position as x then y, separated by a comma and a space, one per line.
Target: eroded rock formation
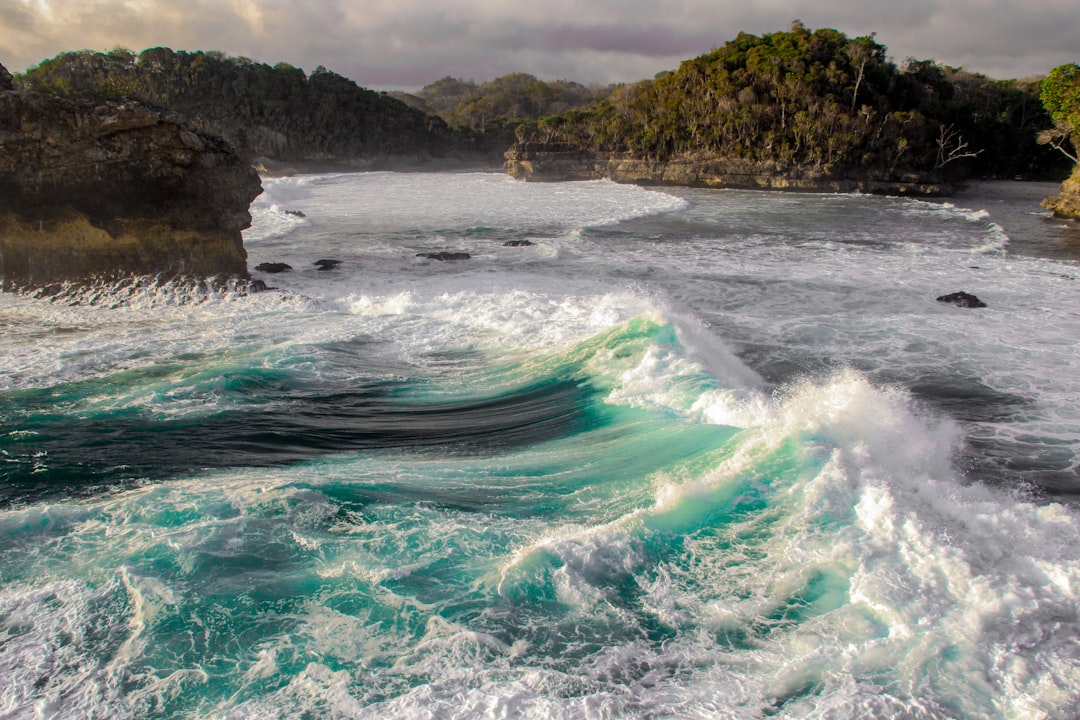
114, 189
1066, 204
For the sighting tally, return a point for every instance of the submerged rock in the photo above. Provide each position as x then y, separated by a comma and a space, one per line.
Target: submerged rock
115, 189
517, 243
296, 213
962, 299
273, 267
326, 264
445, 255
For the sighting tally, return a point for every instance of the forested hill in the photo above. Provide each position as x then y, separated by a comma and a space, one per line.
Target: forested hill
276, 112
486, 114
816, 102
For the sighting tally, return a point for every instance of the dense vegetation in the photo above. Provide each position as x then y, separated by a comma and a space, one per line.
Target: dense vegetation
803, 98
821, 100
1060, 92
276, 111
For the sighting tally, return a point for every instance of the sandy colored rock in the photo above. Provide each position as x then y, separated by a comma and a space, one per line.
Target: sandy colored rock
1066, 204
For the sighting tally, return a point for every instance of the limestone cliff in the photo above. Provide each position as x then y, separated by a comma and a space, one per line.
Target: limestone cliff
546, 164
1066, 204
114, 189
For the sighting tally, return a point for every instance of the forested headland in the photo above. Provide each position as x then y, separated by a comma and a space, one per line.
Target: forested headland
813, 104
798, 108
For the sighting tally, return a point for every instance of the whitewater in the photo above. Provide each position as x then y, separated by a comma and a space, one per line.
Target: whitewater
645, 453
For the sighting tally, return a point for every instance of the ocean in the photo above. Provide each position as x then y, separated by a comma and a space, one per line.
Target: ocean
645, 453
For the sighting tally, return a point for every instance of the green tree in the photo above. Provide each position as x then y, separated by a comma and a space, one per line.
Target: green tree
1060, 94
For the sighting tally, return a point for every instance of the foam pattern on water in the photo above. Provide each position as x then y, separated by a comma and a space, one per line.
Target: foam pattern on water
730, 460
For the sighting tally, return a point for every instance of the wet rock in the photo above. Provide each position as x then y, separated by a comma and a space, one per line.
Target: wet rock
295, 213
273, 267
445, 255
517, 243
326, 264
962, 299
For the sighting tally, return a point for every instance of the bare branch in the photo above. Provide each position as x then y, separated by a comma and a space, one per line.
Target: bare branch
951, 146
1056, 137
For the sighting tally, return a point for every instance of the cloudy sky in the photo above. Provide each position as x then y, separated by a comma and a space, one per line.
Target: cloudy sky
405, 44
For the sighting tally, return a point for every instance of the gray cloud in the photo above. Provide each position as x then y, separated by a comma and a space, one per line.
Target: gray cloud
408, 43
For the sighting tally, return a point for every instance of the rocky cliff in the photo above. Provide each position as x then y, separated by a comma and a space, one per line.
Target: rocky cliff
546, 164
90, 190
1066, 204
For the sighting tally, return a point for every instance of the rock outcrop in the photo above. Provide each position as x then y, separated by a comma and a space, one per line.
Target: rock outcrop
962, 300
1066, 204
115, 189
704, 171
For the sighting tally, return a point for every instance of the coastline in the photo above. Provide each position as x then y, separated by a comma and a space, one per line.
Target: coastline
710, 171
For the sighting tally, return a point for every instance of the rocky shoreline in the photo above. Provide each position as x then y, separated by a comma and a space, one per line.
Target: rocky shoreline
1066, 204
553, 165
115, 189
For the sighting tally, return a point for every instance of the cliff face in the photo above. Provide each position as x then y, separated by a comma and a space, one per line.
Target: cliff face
114, 189
1066, 204
705, 171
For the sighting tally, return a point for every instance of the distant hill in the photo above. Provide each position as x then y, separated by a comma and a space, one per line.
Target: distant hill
276, 112
490, 112
814, 103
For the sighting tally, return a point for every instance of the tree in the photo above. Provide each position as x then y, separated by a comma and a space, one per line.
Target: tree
861, 51
1060, 95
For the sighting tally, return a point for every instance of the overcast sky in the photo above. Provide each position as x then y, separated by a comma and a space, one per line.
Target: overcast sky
405, 44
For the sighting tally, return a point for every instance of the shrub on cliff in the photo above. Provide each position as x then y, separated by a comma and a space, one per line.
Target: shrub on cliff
1060, 94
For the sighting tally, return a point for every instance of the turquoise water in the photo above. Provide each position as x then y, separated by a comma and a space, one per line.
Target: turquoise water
706, 454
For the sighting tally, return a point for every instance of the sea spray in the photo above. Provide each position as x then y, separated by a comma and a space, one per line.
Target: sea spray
728, 460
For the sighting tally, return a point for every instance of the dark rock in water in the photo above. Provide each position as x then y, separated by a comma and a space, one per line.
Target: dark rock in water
962, 299
327, 264
275, 267
297, 213
115, 189
517, 243
445, 255
6, 81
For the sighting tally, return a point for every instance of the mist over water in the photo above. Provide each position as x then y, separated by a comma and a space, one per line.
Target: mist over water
689, 453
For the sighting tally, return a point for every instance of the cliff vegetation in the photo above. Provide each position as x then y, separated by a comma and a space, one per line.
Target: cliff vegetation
1061, 96
277, 112
817, 105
